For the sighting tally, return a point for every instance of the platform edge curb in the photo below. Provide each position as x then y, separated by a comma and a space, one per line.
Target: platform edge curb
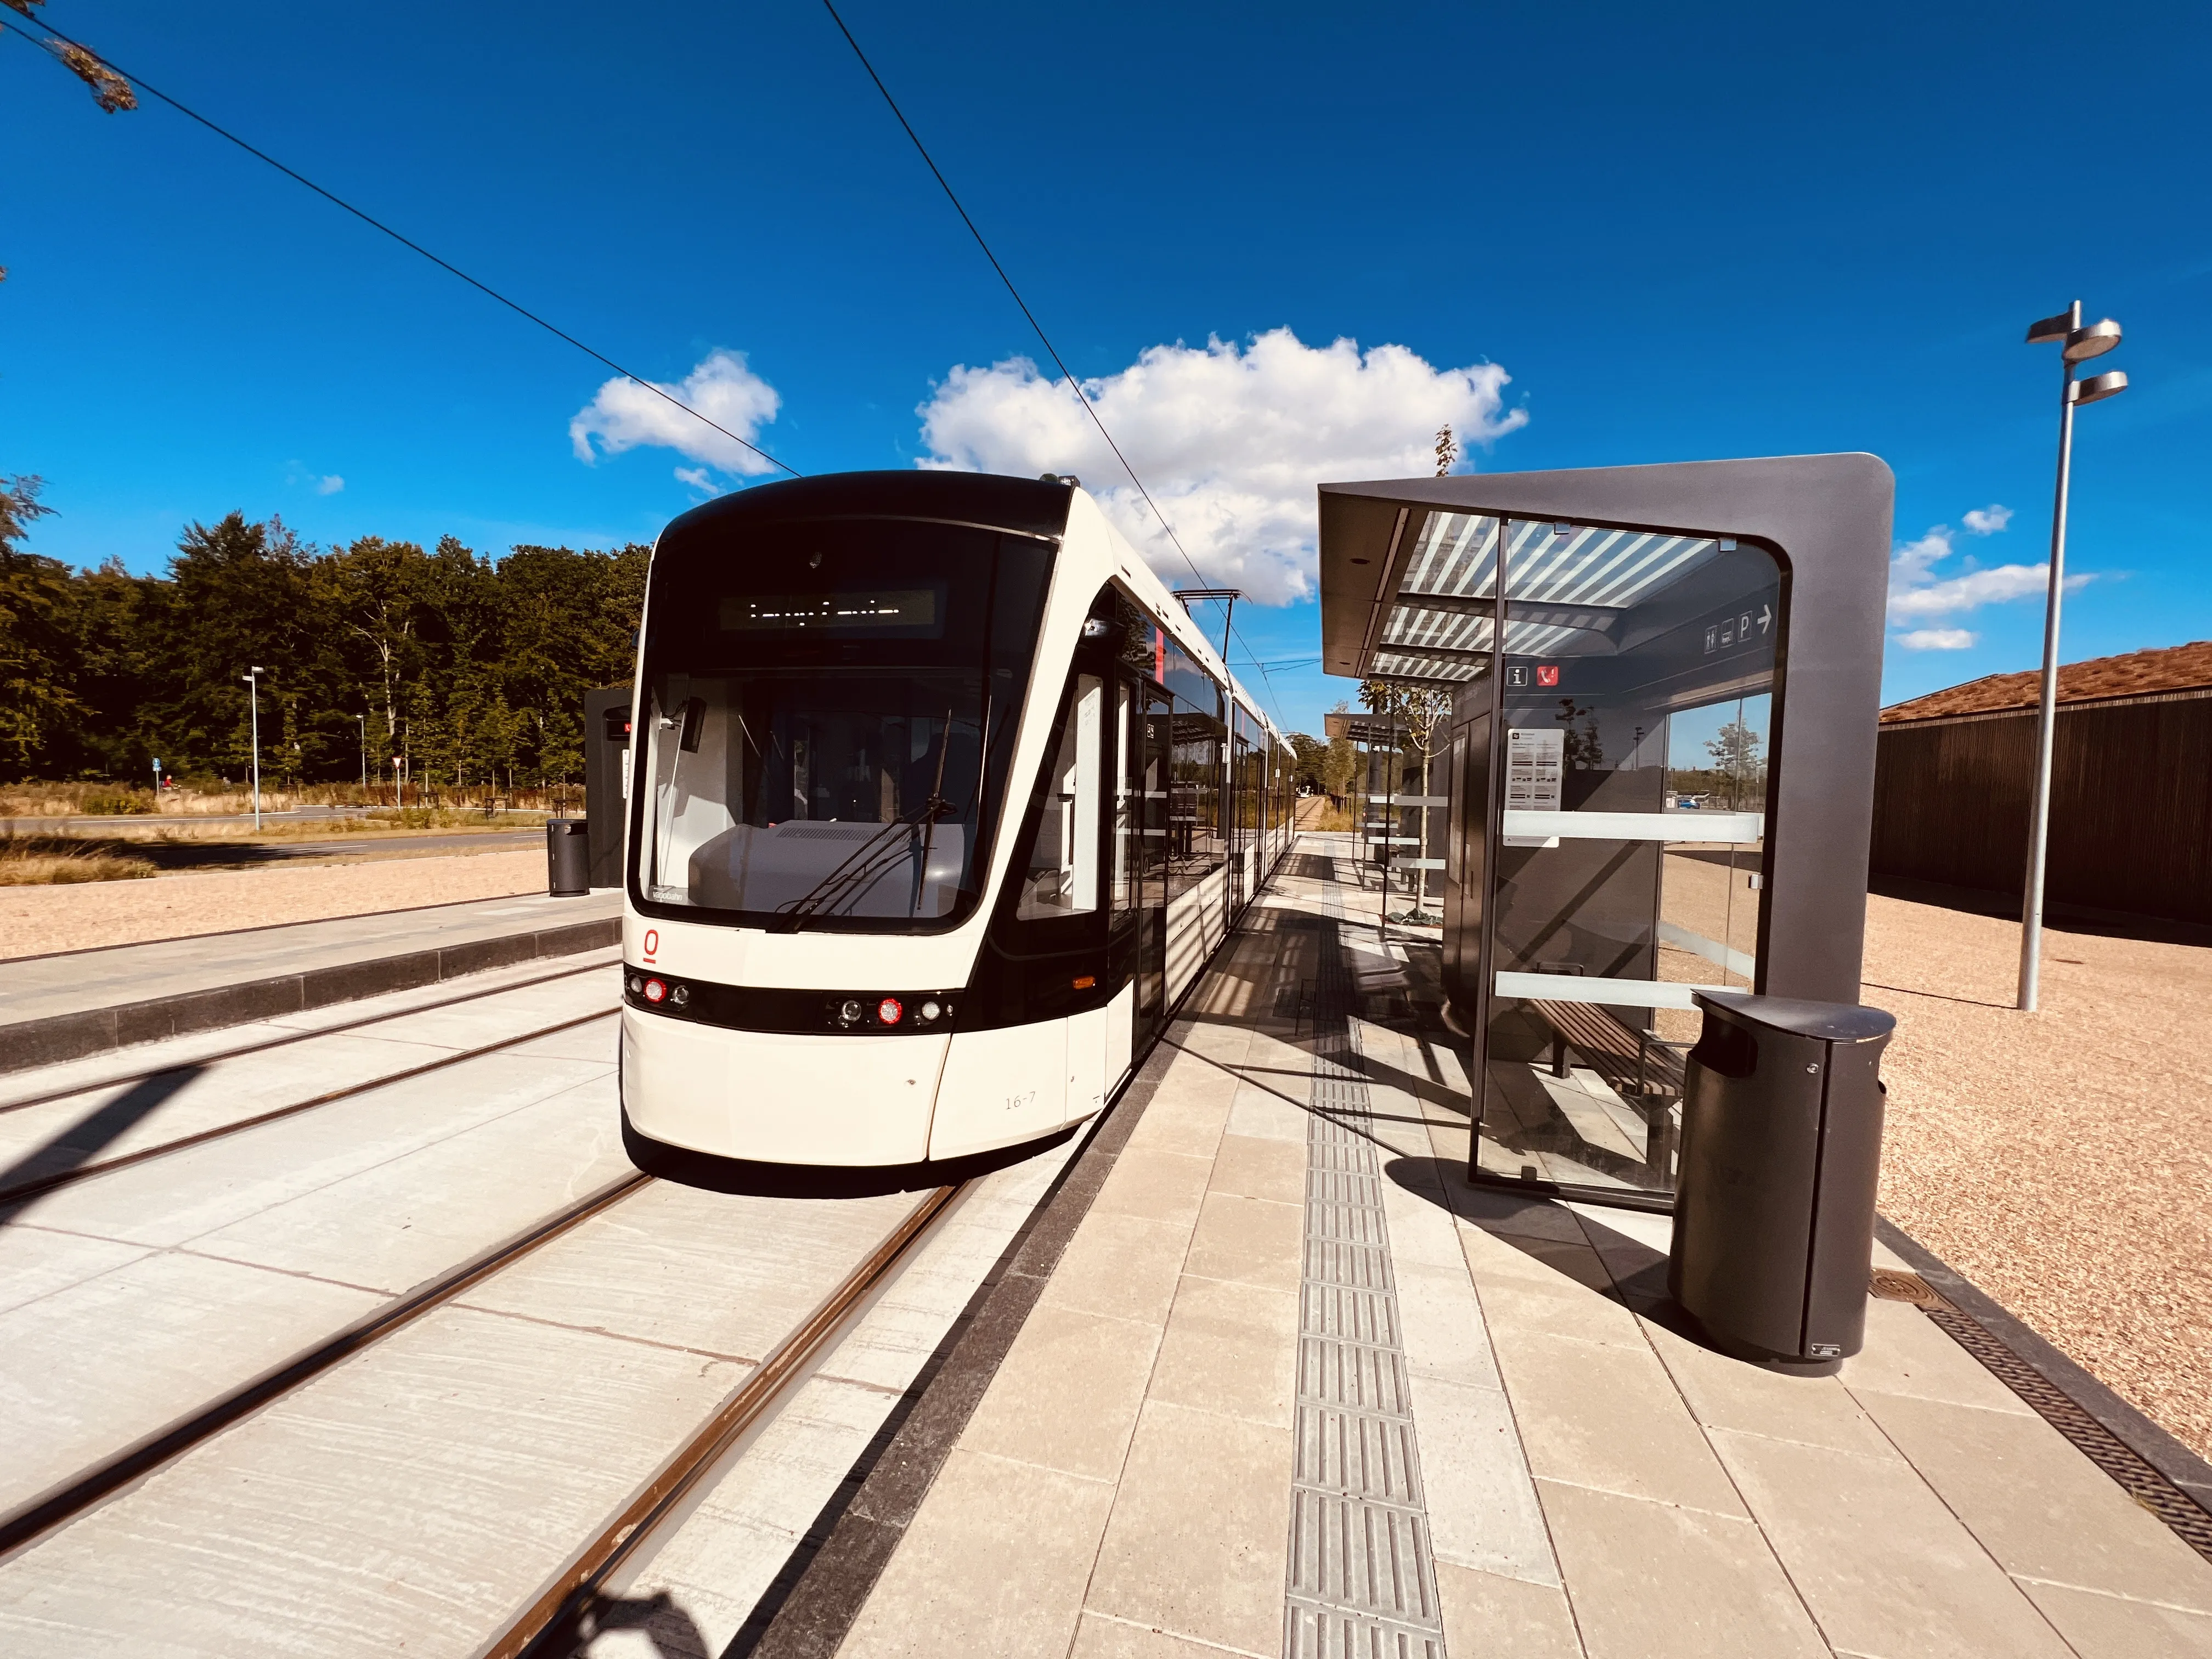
61, 1037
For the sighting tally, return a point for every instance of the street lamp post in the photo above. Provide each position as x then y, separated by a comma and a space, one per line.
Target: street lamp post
253, 696
362, 720
2080, 345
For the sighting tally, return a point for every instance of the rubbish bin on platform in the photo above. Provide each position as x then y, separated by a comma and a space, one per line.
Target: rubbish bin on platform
568, 857
1774, 1207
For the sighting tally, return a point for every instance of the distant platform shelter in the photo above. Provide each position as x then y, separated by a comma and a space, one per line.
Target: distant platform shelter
2130, 785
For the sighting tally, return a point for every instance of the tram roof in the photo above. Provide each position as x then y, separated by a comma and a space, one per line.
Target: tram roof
1034, 507
1408, 566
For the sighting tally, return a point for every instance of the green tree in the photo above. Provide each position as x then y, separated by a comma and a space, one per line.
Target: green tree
1734, 751
35, 644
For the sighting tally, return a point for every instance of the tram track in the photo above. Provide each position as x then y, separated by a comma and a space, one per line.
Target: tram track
556, 1622
129, 1079
40, 1515
556, 1619
38, 1186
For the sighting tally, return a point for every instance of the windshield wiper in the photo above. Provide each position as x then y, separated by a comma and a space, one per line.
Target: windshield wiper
849, 882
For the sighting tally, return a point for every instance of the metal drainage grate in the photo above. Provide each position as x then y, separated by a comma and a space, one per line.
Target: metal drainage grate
2135, 1474
1892, 1286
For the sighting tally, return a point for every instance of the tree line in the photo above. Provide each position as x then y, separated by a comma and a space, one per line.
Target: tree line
470, 668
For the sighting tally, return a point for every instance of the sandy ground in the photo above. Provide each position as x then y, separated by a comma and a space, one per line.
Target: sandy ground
34, 920
2061, 1159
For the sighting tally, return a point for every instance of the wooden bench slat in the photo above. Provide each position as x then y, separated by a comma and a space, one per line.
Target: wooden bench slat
1612, 1048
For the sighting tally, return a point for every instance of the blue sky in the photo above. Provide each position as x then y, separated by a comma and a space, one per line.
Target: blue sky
1680, 233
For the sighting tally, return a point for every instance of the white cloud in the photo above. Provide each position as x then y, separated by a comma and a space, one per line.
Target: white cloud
699, 478
1917, 592
1988, 520
1938, 639
627, 415
329, 485
1230, 441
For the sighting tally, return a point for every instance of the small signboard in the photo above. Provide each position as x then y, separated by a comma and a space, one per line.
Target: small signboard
1536, 764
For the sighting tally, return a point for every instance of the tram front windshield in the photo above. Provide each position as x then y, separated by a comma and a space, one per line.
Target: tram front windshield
828, 707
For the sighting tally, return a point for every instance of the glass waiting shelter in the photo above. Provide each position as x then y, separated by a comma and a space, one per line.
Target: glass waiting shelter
1665, 684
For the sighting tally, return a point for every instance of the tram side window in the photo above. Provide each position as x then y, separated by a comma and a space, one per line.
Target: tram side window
1061, 878
1197, 847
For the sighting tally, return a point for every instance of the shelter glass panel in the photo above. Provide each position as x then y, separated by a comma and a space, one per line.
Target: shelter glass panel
1632, 788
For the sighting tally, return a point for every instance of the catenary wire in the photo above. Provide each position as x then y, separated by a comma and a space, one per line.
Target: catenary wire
1036, 327
377, 224
637, 379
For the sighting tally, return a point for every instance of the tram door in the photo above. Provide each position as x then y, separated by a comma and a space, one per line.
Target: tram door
1140, 843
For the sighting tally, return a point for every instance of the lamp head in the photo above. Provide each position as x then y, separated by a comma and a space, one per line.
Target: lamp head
2051, 328
2094, 341
2098, 387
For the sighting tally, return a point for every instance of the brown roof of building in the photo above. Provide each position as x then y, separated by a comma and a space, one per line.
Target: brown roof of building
2177, 668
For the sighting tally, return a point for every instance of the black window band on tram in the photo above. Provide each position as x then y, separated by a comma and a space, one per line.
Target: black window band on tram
810, 1013
834, 672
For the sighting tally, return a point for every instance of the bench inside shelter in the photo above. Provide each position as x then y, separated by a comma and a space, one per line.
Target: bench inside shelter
1641, 1066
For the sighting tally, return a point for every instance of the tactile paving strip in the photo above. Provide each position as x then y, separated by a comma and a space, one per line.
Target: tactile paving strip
1362, 1580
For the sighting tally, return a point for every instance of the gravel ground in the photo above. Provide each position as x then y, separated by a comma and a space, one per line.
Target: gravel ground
34, 920
2061, 1159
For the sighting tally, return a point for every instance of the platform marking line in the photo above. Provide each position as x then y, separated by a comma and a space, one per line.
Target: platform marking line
1362, 1572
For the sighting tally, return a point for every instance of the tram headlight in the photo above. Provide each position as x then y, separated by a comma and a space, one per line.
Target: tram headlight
654, 990
890, 1011
680, 996
930, 1011
849, 1011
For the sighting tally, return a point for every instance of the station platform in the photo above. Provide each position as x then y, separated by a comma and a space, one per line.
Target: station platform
1269, 1376
67, 1006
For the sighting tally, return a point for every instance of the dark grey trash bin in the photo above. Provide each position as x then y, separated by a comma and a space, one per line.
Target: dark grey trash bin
568, 857
1774, 1202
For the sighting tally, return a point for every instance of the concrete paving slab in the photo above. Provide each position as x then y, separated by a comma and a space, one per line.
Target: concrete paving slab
409, 1216
35, 1263
2113, 1627
99, 1071
61, 1007
1656, 1581
1211, 1572
1485, 1614
1067, 1395
89, 1369
193, 1192
707, 1271
109, 1123
1040, 1528
2041, 1508
1230, 1348
1883, 1565
1605, 1416
404, 1505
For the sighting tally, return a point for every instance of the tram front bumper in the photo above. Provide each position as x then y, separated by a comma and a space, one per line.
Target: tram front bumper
775, 1097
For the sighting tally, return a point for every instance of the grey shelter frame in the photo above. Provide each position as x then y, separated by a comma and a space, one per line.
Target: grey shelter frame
1825, 522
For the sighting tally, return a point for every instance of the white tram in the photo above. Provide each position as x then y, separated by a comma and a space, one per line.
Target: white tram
937, 803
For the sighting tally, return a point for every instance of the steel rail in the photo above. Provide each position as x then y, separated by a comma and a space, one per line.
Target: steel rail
37, 1185
28, 1521
550, 1624
299, 1036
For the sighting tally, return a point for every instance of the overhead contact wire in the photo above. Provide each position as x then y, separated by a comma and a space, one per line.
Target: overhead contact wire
375, 223
1044, 339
